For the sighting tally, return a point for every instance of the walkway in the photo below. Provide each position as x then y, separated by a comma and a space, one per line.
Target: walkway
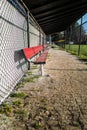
57, 101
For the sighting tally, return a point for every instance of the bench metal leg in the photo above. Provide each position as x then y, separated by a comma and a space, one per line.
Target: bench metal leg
28, 65
41, 70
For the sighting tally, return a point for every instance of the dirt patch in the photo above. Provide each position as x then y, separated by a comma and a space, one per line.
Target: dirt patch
56, 101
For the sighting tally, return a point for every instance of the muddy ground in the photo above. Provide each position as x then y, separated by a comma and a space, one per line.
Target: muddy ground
55, 101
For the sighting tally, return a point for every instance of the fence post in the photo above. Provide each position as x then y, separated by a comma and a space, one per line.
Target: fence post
80, 38
28, 35
40, 37
50, 39
64, 39
70, 36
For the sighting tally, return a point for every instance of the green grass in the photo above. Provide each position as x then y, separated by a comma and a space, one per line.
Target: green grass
37, 125
20, 85
34, 67
29, 73
17, 103
6, 109
21, 114
73, 49
36, 76
30, 79
18, 95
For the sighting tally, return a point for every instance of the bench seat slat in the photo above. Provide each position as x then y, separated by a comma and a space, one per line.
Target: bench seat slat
41, 59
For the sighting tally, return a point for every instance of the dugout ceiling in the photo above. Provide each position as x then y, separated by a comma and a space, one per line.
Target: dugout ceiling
56, 15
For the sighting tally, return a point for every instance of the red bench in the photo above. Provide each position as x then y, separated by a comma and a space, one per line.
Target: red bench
32, 51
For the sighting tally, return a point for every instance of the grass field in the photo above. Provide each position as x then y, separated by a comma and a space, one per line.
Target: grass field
73, 49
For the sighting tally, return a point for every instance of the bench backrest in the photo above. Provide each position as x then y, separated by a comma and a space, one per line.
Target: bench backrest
32, 51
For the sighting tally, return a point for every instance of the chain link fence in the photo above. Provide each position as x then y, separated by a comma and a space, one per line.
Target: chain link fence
13, 38
36, 34
77, 32
76, 38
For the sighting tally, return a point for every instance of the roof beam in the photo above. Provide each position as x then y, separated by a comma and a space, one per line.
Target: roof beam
57, 10
54, 28
49, 6
63, 15
36, 4
48, 25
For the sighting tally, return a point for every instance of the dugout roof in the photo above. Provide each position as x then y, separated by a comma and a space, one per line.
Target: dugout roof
56, 15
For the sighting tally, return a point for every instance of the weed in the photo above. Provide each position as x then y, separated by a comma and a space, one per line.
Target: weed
20, 85
31, 79
17, 103
75, 123
29, 73
18, 95
45, 108
37, 125
6, 109
36, 76
34, 67
21, 114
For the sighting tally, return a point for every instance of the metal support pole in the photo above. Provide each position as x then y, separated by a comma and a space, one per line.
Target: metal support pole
69, 36
50, 39
80, 39
64, 39
39, 37
44, 39
28, 35
66, 36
